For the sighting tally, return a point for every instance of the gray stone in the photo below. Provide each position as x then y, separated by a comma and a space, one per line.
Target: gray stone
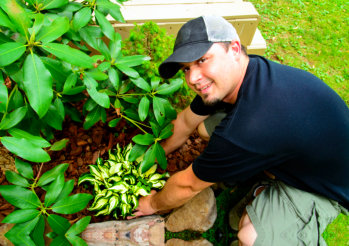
180, 242
198, 214
143, 231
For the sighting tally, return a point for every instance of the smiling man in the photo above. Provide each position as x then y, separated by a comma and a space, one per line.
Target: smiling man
260, 117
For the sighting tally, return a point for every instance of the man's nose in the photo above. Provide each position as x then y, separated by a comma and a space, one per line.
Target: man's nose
194, 75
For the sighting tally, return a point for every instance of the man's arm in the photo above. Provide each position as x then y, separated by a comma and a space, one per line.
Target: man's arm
185, 124
179, 189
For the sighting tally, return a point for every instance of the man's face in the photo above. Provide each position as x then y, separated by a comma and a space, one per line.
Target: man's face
214, 77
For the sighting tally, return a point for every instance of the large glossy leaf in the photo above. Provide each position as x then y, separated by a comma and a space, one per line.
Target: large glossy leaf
52, 174
37, 84
13, 118
100, 98
159, 110
19, 234
145, 139
59, 145
75, 240
90, 35
137, 151
52, 4
25, 149
10, 52
21, 215
36, 140
60, 240
72, 204
160, 155
15, 178
3, 95
67, 189
70, 55
149, 159
79, 226
19, 196
58, 224
52, 32
18, 16
58, 71
24, 169
52, 118
114, 78
143, 108
105, 25
54, 190
168, 89
132, 61
39, 22
115, 46
141, 83
81, 18
92, 117
38, 232
167, 131
5, 21
127, 70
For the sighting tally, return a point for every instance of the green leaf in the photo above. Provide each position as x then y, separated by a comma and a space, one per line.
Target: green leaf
59, 107
81, 18
52, 174
70, 55
24, 168
13, 118
96, 74
53, 4
114, 11
58, 71
105, 25
145, 139
90, 35
149, 159
127, 70
21, 215
3, 95
60, 240
59, 145
17, 15
54, 190
72, 204
39, 21
143, 108
58, 224
37, 84
100, 98
10, 52
137, 151
38, 232
19, 234
92, 117
15, 178
155, 81
132, 61
141, 83
76, 241
159, 110
52, 118
25, 149
5, 21
160, 155
19, 196
114, 122
67, 189
114, 78
52, 32
115, 46
168, 89
36, 140
79, 226
167, 131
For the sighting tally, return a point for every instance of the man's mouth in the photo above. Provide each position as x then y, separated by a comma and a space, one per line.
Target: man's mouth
204, 89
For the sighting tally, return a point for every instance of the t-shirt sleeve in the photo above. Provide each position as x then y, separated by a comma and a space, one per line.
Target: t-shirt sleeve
223, 161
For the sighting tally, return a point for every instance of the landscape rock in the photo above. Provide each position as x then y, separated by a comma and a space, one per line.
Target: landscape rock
199, 214
180, 242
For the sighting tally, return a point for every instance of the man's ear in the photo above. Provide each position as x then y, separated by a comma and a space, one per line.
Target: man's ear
235, 46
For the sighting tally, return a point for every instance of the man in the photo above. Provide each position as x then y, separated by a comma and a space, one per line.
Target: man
277, 119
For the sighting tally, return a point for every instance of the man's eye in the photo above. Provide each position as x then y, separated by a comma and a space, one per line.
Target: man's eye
201, 60
185, 69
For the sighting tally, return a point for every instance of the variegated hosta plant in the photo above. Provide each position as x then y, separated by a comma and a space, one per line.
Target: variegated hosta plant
118, 183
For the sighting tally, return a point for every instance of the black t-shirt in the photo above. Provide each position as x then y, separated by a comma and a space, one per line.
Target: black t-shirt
286, 121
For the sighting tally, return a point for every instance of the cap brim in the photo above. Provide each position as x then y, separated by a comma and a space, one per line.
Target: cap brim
186, 53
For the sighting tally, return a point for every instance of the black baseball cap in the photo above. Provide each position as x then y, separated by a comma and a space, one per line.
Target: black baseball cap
194, 39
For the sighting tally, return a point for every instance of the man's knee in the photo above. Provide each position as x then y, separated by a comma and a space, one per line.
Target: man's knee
203, 132
247, 233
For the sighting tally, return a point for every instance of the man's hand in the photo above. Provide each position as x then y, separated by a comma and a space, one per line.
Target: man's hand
144, 206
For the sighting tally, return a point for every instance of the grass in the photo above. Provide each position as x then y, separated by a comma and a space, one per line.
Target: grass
312, 35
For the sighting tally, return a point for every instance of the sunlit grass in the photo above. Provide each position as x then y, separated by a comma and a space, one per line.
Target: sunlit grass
314, 36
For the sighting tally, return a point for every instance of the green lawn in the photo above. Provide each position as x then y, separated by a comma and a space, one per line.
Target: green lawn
314, 36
